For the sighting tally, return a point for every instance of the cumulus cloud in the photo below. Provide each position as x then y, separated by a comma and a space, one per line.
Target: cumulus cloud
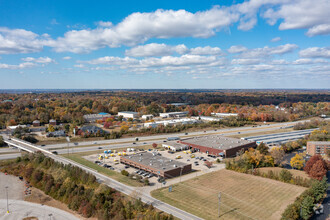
301, 14
13, 41
155, 49
245, 61
237, 49
66, 58
104, 23
268, 51
19, 66
315, 52
43, 60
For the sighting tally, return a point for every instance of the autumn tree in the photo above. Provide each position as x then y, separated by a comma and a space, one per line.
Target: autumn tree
278, 154
311, 162
51, 128
297, 161
154, 145
262, 148
124, 128
319, 170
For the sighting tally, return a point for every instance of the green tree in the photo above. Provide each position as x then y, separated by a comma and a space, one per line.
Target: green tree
285, 175
51, 128
307, 207
2, 142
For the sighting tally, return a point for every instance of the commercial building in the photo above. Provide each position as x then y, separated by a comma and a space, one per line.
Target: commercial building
208, 118
175, 146
218, 145
173, 114
156, 164
128, 114
221, 115
317, 147
95, 117
147, 117
52, 122
172, 122
36, 123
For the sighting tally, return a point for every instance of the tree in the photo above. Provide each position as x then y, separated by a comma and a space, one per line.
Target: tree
297, 161
262, 148
51, 128
124, 128
278, 154
285, 175
319, 170
307, 207
2, 142
311, 162
154, 145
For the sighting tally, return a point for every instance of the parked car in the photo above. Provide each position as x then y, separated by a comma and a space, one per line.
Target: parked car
186, 133
126, 167
99, 148
55, 152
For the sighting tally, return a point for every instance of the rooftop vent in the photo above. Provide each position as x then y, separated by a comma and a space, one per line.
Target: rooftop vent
174, 165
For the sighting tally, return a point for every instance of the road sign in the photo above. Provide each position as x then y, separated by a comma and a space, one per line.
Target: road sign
170, 189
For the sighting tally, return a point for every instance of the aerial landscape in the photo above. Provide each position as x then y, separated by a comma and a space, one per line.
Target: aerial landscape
165, 110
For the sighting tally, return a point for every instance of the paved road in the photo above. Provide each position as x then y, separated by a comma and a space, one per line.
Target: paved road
145, 197
21, 209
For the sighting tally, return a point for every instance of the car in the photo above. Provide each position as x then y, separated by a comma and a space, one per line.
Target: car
99, 148
96, 161
204, 131
238, 132
134, 143
41, 145
55, 152
126, 166
164, 141
215, 129
197, 158
204, 160
197, 164
186, 133
95, 142
76, 143
144, 142
188, 159
136, 171
105, 165
111, 168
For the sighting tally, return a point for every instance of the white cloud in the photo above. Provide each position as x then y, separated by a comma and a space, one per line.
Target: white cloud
44, 60
206, 51
245, 61
314, 52
276, 39
302, 14
14, 41
19, 66
66, 58
268, 51
104, 23
237, 49
54, 22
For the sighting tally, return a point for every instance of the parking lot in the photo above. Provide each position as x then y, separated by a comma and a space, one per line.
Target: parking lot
112, 161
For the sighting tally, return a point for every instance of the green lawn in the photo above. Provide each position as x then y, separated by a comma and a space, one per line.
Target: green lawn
111, 173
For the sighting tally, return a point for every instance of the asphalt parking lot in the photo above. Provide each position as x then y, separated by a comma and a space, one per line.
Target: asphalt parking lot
196, 159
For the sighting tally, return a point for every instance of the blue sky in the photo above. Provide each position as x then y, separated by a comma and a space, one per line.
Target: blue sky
164, 44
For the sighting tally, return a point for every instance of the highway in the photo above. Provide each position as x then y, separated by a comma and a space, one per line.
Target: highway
145, 196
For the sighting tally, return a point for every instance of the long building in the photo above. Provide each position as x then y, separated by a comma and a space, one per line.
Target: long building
128, 114
173, 114
156, 164
218, 145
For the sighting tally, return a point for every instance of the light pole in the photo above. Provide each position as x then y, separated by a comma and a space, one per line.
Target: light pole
181, 173
7, 198
219, 197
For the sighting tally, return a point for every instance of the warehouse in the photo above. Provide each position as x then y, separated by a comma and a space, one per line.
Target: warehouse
173, 114
128, 114
156, 164
174, 146
218, 145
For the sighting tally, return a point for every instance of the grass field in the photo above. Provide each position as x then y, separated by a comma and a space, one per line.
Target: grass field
113, 174
261, 133
243, 196
277, 170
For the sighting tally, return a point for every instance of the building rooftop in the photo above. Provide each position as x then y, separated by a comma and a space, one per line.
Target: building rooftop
128, 112
155, 161
319, 142
175, 144
217, 141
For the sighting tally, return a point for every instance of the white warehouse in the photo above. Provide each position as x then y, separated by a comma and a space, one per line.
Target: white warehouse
128, 114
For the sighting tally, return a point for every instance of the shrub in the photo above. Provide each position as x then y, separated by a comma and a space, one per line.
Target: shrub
285, 175
124, 172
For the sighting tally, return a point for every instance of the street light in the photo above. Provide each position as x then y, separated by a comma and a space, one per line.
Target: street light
50, 216
7, 198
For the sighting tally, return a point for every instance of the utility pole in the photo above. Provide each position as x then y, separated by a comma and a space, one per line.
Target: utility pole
219, 197
7, 198
181, 173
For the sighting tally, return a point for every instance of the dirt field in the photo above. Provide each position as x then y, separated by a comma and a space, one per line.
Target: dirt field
243, 196
277, 170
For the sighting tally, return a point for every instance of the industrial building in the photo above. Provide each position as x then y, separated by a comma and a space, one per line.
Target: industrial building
128, 114
147, 117
208, 118
156, 164
95, 117
52, 122
175, 146
36, 123
172, 122
221, 115
218, 145
318, 147
173, 114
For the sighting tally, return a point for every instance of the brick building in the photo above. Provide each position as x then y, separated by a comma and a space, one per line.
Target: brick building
218, 145
317, 147
156, 164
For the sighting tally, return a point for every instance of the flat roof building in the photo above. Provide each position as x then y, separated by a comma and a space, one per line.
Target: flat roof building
128, 114
317, 147
156, 164
225, 114
175, 146
95, 117
173, 114
218, 145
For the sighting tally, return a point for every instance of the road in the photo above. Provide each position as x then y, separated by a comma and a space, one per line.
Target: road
128, 190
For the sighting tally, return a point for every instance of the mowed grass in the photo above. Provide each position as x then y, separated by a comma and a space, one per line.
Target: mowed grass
243, 196
111, 173
261, 133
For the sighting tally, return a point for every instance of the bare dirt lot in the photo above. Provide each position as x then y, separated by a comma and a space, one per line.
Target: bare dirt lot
243, 196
